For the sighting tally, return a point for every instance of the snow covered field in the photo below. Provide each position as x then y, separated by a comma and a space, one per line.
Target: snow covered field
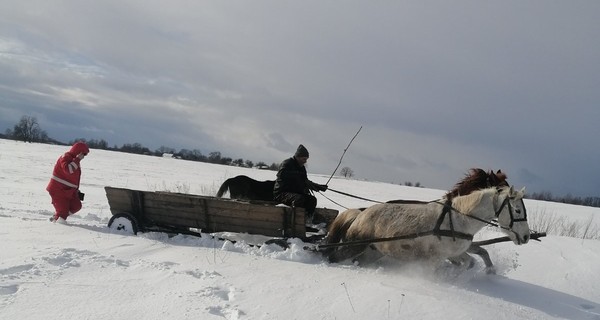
86, 271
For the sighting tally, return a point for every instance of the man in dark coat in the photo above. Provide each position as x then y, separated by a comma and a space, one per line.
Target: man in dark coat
292, 186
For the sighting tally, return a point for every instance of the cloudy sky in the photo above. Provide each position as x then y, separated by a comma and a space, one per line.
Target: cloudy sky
437, 86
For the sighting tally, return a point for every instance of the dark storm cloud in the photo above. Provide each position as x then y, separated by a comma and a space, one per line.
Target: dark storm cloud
438, 87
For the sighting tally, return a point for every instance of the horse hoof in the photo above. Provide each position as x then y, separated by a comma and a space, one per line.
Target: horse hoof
471, 264
490, 270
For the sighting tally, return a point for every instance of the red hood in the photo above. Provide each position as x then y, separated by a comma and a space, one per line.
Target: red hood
79, 147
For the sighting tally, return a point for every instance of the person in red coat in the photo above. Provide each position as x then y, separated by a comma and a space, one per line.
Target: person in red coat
64, 184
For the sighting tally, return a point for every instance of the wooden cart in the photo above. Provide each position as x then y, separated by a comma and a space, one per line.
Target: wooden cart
135, 210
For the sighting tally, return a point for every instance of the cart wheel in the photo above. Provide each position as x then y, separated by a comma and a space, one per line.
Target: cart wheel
123, 222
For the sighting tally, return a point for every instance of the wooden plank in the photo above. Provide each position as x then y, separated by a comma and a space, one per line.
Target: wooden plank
180, 201
202, 222
228, 224
209, 213
249, 213
274, 222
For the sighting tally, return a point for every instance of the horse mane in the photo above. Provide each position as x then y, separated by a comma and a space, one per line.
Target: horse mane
477, 179
464, 204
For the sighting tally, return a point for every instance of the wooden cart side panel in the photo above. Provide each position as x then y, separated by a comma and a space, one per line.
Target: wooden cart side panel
206, 213
205, 221
129, 201
168, 208
220, 224
215, 215
119, 200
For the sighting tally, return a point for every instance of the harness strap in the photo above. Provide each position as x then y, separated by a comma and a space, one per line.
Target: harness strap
353, 196
369, 241
454, 234
446, 211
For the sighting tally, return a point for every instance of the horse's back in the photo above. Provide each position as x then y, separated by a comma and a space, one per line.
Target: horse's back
393, 219
244, 187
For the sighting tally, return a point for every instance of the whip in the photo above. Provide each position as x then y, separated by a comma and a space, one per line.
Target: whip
342, 157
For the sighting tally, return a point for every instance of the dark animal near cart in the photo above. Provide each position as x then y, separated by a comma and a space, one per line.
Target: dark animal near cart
135, 210
246, 188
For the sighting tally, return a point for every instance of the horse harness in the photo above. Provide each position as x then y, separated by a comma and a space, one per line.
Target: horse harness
437, 231
448, 209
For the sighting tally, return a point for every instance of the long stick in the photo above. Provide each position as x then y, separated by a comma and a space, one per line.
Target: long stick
342, 157
533, 236
320, 247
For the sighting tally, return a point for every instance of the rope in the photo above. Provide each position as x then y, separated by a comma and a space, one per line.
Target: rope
353, 196
326, 197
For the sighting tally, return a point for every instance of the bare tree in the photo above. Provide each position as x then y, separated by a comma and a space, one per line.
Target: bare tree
214, 157
238, 162
347, 172
28, 130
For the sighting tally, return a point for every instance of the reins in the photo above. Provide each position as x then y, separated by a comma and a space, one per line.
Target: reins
352, 196
447, 210
491, 223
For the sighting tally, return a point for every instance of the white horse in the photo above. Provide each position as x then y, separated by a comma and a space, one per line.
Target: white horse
433, 231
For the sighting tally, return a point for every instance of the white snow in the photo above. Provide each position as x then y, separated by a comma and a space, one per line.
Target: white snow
84, 270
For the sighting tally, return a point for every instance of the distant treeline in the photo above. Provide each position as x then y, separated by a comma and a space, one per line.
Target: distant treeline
569, 199
185, 154
28, 130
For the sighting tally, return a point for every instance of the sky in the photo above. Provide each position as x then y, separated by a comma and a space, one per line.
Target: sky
85, 270
437, 87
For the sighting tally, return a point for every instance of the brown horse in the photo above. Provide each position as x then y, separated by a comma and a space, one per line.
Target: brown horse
246, 188
476, 179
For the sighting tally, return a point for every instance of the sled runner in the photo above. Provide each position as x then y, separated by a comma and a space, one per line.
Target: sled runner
143, 211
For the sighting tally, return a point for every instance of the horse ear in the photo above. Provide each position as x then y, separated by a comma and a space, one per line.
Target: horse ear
501, 175
522, 190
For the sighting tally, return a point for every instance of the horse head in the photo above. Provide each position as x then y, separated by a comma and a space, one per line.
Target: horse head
511, 214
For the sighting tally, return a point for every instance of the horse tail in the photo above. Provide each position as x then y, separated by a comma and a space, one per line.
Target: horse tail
338, 229
223, 188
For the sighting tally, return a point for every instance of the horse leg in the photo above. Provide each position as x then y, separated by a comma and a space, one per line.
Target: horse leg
463, 259
368, 256
485, 256
346, 252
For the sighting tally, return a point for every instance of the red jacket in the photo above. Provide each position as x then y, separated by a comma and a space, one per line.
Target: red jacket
67, 171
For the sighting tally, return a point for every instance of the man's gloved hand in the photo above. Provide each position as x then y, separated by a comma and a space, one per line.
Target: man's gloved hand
322, 187
81, 195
